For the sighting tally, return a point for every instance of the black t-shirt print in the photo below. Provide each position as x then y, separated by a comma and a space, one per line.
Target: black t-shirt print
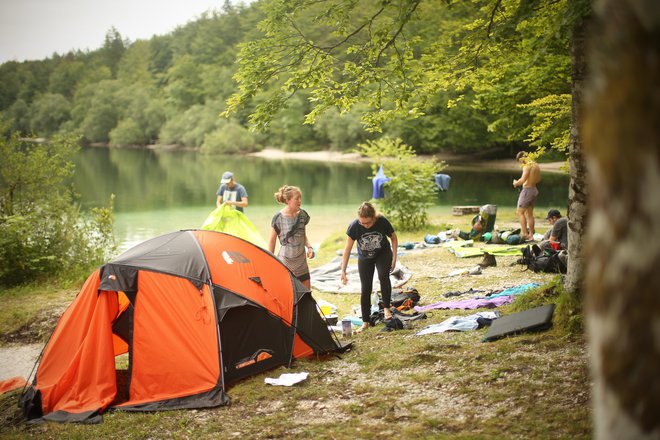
371, 241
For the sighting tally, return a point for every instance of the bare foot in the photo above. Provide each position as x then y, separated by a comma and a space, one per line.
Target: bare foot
364, 327
387, 314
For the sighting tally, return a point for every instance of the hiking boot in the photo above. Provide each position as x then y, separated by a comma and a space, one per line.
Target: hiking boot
488, 260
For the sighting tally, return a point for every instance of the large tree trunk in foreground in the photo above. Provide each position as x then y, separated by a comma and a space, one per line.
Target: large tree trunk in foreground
577, 190
621, 134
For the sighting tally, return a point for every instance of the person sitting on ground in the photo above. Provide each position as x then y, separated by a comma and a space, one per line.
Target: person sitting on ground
482, 223
556, 237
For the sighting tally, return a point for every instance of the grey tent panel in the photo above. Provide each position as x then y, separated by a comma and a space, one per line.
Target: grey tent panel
536, 319
176, 253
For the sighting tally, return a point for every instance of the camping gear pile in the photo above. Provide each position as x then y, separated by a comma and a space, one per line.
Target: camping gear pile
195, 311
544, 260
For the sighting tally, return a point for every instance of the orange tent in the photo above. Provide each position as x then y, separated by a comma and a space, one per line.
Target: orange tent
194, 310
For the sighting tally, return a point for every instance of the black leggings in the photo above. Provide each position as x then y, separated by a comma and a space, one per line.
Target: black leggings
382, 263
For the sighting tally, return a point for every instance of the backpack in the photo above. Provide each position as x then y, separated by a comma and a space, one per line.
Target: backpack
549, 261
405, 299
514, 239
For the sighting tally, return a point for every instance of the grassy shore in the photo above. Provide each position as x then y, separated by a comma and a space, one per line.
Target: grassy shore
449, 385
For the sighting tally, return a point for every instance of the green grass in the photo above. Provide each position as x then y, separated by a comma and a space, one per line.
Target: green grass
445, 386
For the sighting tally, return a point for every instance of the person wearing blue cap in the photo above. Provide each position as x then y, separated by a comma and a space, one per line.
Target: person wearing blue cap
231, 193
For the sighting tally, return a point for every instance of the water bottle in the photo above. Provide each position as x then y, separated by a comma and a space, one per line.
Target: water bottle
374, 302
346, 327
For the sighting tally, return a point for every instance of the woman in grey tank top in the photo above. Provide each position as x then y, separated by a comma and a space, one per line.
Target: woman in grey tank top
288, 226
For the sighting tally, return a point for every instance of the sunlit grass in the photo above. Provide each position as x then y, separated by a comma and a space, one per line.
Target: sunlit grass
445, 386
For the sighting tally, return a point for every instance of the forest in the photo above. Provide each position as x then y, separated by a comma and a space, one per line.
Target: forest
576, 76
488, 82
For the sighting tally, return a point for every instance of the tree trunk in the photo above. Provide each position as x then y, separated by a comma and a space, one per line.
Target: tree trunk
621, 135
577, 190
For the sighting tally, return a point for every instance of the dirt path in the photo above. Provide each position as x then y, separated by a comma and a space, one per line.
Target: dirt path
18, 360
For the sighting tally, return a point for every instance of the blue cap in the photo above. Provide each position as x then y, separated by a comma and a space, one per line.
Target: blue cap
227, 176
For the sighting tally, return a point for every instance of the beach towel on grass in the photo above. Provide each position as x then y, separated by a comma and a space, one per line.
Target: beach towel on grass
460, 323
327, 278
468, 304
504, 297
465, 252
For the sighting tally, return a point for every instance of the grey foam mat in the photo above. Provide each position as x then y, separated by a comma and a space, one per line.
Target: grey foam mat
536, 319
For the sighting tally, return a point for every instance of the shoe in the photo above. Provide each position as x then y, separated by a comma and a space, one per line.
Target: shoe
488, 260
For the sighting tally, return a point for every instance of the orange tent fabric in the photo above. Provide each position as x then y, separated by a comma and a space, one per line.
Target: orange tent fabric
170, 324
12, 384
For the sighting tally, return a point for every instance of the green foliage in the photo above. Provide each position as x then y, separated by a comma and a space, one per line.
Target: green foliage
446, 126
134, 64
16, 117
65, 77
229, 137
112, 51
97, 110
496, 63
43, 233
343, 52
411, 190
552, 117
48, 113
127, 132
191, 127
184, 85
289, 131
342, 131
567, 318
459, 76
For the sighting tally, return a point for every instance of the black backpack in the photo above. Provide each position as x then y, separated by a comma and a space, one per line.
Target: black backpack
539, 260
406, 298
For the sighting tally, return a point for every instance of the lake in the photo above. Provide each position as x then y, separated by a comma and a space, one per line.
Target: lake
163, 191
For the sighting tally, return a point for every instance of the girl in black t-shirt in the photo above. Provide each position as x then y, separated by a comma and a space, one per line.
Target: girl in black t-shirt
371, 230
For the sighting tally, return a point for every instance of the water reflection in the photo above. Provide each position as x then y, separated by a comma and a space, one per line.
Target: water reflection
147, 180
158, 191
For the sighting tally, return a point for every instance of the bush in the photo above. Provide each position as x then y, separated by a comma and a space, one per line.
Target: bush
411, 190
567, 319
230, 137
128, 132
43, 233
190, 128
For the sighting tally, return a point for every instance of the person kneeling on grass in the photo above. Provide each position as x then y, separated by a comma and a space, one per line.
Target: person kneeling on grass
556, 237
371, 230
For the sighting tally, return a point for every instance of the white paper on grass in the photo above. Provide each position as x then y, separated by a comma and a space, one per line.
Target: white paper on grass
287, 379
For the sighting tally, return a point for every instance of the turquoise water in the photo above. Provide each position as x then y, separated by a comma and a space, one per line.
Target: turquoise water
158, 192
